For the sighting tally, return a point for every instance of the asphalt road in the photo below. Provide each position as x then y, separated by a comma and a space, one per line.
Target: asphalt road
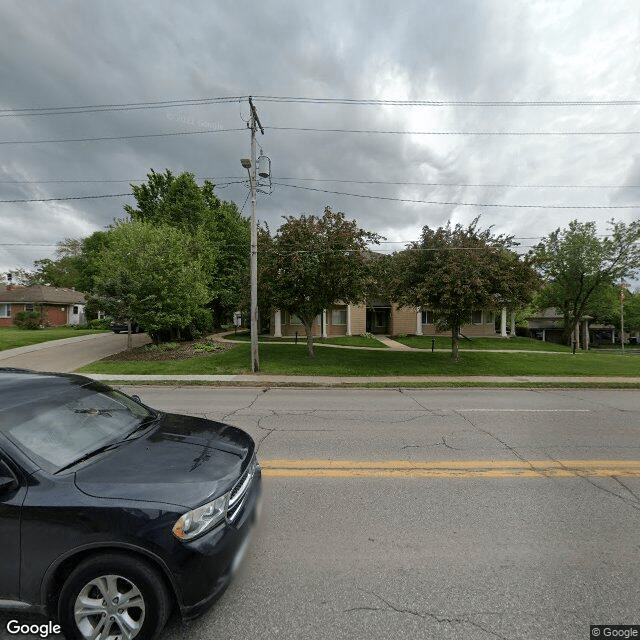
519, 535
70, 353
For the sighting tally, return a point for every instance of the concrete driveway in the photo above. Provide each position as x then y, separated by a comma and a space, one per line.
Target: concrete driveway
69, 354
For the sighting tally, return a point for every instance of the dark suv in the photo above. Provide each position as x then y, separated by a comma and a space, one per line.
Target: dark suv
112, 513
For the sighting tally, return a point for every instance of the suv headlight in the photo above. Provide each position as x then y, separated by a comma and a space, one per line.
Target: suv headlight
196, 522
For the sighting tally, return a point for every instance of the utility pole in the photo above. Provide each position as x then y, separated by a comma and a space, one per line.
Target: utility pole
622, 316
254, 124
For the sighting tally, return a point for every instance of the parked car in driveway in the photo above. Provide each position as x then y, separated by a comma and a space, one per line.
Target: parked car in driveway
120, 327
112, 513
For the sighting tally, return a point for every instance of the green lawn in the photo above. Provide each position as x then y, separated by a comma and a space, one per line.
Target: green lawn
344, 341
292, 360
12, 337
441, 342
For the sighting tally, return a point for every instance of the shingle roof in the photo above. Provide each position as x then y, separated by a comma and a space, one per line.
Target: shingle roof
43, 294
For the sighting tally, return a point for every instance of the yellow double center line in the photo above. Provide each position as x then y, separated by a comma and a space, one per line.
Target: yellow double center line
449, 468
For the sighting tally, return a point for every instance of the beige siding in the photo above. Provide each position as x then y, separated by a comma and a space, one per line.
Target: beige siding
485, 329
403, 320
358, 319
358, 323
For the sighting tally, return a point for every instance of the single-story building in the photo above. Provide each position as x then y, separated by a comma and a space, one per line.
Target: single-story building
378, 317
548, 325
57, 306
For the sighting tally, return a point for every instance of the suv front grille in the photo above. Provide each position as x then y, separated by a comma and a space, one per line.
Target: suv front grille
240, 490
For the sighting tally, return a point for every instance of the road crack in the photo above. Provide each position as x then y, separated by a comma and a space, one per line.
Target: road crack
633, 502
249, 406
425, 615
506, 445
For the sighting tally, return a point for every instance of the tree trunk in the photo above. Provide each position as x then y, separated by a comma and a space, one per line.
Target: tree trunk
455, 354
308, 328
129, 342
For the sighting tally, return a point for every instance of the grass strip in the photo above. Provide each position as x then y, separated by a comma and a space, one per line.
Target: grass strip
343, 341
515, 343
293, 360
13, 337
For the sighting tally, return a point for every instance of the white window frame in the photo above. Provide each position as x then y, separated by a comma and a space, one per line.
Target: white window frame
473, 320
5, 309
427, 316
341, 312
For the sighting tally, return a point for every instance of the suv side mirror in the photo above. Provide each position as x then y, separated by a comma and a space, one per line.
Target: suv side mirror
8, 479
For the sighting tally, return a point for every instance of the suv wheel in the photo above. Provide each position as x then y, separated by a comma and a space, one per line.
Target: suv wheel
113, 596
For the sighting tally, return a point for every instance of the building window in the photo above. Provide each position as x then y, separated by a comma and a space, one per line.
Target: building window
5, 310
293, 319
427, 317
338, 316
490, 318
476, 317
28, 306
75, 310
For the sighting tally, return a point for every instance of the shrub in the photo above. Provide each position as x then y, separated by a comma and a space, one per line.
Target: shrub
163, 346
207, 347
27, 320
99, 324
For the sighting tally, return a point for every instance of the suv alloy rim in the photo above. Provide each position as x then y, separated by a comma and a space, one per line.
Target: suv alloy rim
108, 607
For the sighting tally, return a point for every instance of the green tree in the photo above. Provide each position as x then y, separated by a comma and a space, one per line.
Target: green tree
147, 273
452, 271
218, 234
632, 311
19, 276
578, 265
65, 269
74, 265
312, 263
606, 308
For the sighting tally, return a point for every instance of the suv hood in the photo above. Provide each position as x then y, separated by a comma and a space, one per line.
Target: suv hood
182, 460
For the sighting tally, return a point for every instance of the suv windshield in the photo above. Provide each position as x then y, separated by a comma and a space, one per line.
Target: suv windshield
56, 431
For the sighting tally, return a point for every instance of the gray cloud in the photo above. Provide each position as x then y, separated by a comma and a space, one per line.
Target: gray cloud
77, 53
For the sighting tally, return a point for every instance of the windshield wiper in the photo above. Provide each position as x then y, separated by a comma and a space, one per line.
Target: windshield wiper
91, 454
146, 422
112, 445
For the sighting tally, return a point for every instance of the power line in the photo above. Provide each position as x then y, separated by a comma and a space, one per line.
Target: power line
356, 195
189, 102
109, 195
462, 184
329, 130
458, 204
127, 106
240, 179
452, 103
102, 138
455, 133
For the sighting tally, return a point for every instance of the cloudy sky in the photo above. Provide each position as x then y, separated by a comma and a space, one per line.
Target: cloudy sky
399, 114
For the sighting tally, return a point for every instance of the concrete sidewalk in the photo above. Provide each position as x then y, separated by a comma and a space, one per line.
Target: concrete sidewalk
68, 354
